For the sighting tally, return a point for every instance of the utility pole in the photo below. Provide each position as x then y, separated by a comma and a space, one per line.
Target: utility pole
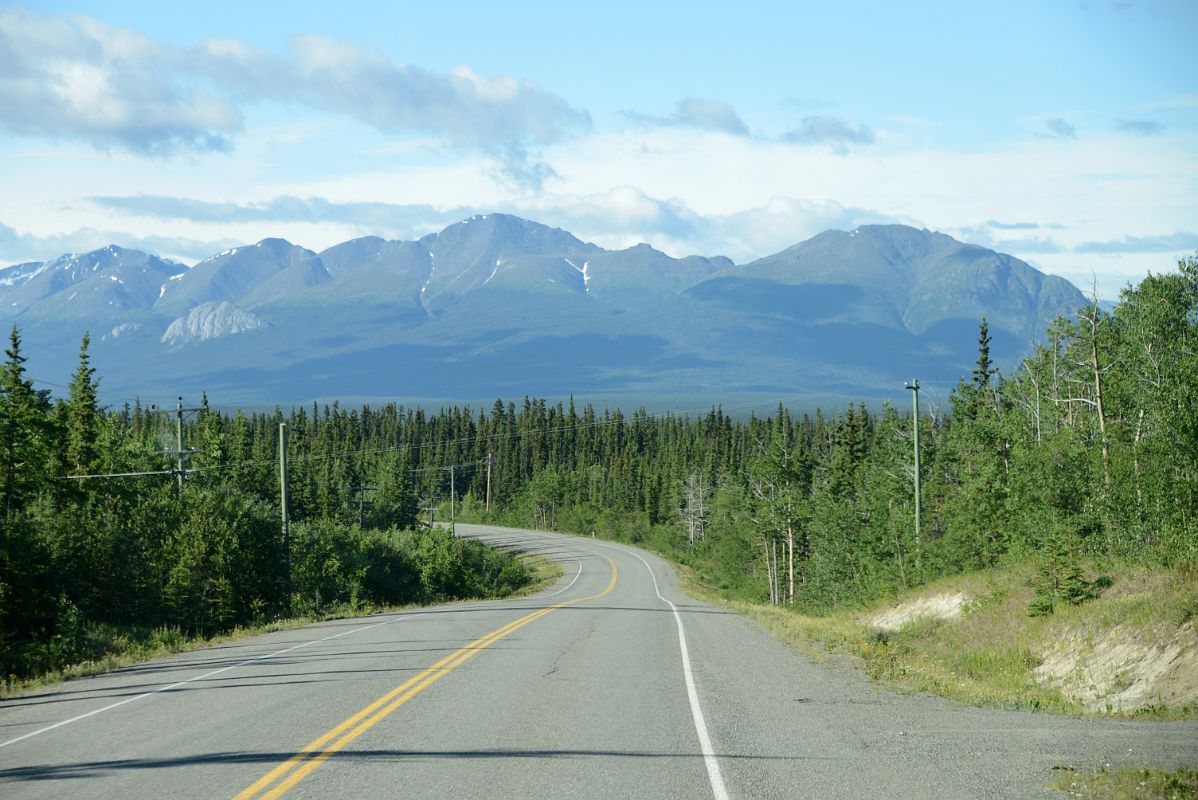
283, 506
914, 387
179, 440
179, 453
490, 461
362, 501
452, 507
429, 503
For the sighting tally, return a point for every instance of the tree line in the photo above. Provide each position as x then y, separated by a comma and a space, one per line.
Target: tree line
1088, 450
103, 542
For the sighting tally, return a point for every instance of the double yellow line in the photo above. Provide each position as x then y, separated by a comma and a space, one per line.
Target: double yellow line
295, 769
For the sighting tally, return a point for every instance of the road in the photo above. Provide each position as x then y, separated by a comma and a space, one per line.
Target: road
610, 684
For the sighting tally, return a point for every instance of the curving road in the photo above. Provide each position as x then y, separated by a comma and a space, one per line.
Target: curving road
610, 684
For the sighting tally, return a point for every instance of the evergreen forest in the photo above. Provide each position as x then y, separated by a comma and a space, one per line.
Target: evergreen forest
1085, 453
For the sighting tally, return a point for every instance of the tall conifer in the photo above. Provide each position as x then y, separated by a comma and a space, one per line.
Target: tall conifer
82, 415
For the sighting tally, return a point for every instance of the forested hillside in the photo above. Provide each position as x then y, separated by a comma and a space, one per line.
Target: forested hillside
497, 306
1088, 450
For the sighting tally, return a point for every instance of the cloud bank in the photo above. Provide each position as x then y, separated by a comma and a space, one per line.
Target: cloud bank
835, 131
698, 112
1139, 127
1165, 243
616, 219
1058, 128
77, 78
19, 247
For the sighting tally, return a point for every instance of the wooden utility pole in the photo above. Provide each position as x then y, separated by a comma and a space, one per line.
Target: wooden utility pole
490, 461
283, 506
179, 440
179, 453
362, 501
430, 505
914, 387
452, 503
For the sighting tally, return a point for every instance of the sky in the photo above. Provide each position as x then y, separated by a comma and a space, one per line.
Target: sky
1064, 133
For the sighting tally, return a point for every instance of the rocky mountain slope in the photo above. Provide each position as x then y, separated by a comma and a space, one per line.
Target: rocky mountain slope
500, 306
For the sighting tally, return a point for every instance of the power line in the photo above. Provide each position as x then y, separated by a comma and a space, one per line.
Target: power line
492, 438
118, 475
495, 437
97, 391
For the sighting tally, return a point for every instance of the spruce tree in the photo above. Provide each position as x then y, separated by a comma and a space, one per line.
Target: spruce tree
396, 504
984, 371
82, 415
24, 425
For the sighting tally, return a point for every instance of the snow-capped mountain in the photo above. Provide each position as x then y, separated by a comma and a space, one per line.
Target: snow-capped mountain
500, 306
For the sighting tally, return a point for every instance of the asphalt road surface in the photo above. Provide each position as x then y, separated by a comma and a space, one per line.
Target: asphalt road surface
610, 684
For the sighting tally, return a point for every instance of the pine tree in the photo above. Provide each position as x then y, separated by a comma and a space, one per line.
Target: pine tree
82, 415
24, 425
396, 504
984, 370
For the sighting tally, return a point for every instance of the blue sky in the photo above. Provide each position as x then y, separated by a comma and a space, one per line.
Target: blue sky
1064, 133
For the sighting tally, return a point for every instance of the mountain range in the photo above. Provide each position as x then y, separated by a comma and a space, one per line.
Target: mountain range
498, 306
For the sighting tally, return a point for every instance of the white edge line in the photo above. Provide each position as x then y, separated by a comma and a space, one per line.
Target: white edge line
211, 673
161, 689
714, 775
567, 586
713, 766
577, 575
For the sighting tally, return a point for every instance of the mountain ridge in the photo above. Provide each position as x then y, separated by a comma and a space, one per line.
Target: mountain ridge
496, 304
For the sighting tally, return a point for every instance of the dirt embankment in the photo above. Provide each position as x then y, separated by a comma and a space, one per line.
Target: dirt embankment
1135, 647
943, 605
1119, 671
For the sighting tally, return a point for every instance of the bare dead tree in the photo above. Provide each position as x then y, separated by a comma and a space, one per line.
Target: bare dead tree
694, 507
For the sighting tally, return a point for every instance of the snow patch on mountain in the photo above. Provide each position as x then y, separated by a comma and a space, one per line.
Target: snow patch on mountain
22, 273
584, 270
498, 262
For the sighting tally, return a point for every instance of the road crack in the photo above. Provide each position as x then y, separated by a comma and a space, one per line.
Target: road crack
582, 637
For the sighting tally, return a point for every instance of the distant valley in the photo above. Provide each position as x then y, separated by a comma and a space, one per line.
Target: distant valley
498, 306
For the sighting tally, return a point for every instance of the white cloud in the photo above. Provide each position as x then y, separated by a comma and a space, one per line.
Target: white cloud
681, 188
17, 247
698, 112
503, 116
824, 129
1140, 127
618, 218
77, 78
1164, 243
1058, 128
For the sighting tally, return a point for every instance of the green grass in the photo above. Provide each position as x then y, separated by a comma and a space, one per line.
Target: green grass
1130, 783
988, 656
125, 645
544, 573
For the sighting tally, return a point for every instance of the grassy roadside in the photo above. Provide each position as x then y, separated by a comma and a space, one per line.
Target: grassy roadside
124, 646
989, 655
544, 573
1130, 783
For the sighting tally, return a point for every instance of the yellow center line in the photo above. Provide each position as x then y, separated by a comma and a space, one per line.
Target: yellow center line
293, 770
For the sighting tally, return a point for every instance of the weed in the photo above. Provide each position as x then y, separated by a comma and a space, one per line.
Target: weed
1125, 783
990, 655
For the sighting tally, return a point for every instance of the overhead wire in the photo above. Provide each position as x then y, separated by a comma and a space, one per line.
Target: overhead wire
609, 418
99, 392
